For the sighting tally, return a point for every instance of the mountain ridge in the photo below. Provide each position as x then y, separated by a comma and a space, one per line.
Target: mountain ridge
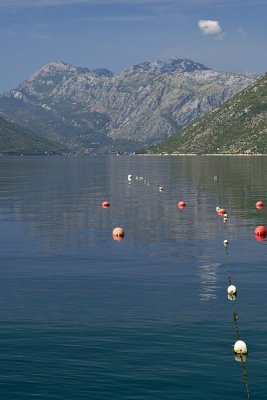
238, 126
98, 111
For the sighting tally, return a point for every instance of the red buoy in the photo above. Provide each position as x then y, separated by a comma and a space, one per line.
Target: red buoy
105, 204
118, 233
259, 238
181, 204
260, 231
221, 211
259, 204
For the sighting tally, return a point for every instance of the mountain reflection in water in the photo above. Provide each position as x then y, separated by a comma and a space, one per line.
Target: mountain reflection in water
84, 316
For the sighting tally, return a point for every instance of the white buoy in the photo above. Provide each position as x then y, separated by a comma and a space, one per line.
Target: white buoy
240, 347
225, 219
129, 177
225, 243
231, 289
231, 296
160, 188
218, 208
225, 215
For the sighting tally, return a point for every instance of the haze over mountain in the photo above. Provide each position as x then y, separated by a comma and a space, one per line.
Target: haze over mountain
238, 126
96, 110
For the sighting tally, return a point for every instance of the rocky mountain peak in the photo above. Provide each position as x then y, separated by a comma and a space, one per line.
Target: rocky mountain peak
103, 72
64, 69
52, 68
96, 110
168, 65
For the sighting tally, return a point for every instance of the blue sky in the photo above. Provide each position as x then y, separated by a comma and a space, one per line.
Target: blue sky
225, 35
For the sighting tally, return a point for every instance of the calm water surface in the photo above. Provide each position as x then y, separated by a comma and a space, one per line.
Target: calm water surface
85, 317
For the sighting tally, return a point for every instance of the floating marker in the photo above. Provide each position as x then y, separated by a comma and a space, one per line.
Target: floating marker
221, 211
160, 188
240, 347
118, 233
231, 289
259, 204
106, 204
225, 243
260, 231
129, 177
181, 204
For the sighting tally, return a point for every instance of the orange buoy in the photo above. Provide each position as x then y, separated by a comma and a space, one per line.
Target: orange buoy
259, 204
118, 233
221, 211
181, 204
260, 231
106, 204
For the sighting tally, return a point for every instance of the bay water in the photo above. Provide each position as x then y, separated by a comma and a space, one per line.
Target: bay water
83, 316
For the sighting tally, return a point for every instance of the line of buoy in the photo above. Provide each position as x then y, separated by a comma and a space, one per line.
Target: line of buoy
239, 347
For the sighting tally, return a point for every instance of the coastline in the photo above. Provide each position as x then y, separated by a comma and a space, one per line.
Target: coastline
205, 155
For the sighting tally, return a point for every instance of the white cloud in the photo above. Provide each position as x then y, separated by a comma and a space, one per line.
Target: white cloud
210, 27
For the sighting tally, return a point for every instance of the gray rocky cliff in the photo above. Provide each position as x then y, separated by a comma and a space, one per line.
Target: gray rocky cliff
96, 110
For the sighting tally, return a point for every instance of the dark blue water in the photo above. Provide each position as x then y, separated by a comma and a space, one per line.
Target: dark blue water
83, 316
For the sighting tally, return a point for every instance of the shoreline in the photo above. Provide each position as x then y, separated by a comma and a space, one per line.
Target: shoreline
206, 155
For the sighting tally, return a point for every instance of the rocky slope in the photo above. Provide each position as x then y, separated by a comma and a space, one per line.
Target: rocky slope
96, 110
17, 140
239, 126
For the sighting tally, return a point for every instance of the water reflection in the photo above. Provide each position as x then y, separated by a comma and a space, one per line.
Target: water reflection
208, 278
59, 198
163, 274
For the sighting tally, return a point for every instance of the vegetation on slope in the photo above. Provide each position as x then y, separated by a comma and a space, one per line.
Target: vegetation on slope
238, 126
17, 140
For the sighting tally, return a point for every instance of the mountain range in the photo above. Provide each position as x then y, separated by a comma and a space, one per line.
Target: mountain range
238, 126
99, 111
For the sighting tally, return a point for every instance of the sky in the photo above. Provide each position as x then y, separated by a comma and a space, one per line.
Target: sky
225, 35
